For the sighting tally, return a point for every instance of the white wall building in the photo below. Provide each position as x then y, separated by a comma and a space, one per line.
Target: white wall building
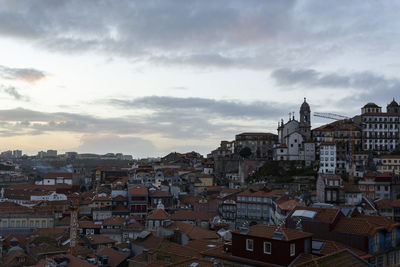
327, 160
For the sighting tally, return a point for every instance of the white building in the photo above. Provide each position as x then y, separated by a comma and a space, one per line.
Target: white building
295, 135
52, 196
327, 160
53, 178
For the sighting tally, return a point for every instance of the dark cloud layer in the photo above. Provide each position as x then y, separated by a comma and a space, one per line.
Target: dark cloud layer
205, 106
114, 143
24, 74
367, 86
177, 118
13, 92
246, 34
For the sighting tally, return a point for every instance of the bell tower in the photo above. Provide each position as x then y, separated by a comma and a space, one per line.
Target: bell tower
305, 120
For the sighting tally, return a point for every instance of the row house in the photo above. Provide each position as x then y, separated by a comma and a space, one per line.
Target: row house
330, 189
158, 196
262, 245
380, 129
389, 163
138, 200
376, 185
375, 235
340, 133
327, 157
260, 144
255, 207
53, 178
227, 207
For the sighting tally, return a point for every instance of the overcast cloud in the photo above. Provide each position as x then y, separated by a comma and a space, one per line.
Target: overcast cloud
246, 34
23, 74
188, 70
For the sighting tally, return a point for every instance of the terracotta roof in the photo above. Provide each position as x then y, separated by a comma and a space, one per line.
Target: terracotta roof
121, 208
202, 245
194, 232
149, 242
257, 134
326, 215
120, 198
53, 175
390, 157
159, 193
265, 231
100, 239
158, 214
385, 203
138, 190
183, 215
364, 224
340, 258
289, 205
117, 221
327, 144
396, 203
381, 114
114, 257
72, 261
330, 247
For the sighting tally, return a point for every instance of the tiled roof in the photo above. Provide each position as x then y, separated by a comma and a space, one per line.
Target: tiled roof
138, 190
117, 221
384, 203
53, 175
203, 245
89, 224
340, 258
326, 215
158, 214
330, 247
257, 134
289, 205
100, 239
182, 215
120, 198
364, 224
121, 208
265, 231
72, 261
149, 242
194, 232
114, 257
159, 193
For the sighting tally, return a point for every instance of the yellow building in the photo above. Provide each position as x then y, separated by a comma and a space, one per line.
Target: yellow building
20, 219
389, 163
202, 181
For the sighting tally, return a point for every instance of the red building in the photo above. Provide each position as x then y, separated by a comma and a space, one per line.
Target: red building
138, 200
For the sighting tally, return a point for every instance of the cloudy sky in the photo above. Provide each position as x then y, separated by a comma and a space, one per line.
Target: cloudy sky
149, 77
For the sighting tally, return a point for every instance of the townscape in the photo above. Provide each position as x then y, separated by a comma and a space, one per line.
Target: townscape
302, 196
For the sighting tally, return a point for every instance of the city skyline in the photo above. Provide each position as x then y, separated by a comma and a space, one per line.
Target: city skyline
147, 78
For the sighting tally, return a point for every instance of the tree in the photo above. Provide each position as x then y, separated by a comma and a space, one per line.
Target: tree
245, 152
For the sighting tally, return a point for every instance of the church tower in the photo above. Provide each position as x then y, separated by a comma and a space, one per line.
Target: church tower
305, 120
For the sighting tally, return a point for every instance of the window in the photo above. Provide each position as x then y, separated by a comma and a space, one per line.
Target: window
393, 237
249, 244
376, 241
292, 249
267, 247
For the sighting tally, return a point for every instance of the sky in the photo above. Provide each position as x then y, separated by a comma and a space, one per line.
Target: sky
146, 78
